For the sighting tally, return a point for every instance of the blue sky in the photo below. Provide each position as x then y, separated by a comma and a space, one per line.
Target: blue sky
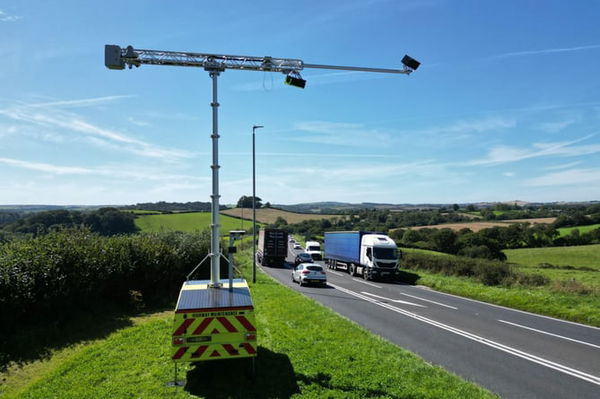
505, 106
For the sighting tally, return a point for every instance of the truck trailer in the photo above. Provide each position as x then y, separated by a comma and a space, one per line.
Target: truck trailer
362, 253
272, 247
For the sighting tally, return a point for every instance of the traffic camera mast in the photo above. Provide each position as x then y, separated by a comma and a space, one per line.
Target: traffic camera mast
116, 57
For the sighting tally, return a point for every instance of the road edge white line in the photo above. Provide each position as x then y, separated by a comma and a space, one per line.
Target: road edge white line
496, 345
549, 333
512, 309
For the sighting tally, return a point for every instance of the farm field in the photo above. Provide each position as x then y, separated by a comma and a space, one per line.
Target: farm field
579, 256
185, 222
564, 231
134, 361
478, 226
269, 215
574, 268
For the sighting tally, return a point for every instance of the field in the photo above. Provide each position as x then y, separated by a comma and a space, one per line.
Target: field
579, 256
185, 222
269, 215
305, 350
564, 231
477, 226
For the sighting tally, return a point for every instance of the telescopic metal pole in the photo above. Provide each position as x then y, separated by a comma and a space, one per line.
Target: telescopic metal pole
254, 202
215, 260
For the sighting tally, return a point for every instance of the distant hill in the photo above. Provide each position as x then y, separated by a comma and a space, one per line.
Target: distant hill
163, 206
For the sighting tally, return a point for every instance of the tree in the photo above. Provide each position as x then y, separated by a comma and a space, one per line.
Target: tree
455, 207
246, 202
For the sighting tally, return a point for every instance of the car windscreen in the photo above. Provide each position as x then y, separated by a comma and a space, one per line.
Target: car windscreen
314, 248
304, 256
314, 268
385, 253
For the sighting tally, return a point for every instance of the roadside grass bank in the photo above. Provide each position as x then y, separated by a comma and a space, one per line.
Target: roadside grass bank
305, 350
570, 294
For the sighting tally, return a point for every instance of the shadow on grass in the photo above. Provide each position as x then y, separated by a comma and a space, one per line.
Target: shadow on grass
407, 278
274, 378
37, 342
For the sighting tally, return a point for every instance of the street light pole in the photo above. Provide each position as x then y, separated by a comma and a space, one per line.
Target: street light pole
254, 202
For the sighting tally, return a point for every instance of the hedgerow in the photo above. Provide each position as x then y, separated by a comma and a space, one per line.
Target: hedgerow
488, 272
52, 278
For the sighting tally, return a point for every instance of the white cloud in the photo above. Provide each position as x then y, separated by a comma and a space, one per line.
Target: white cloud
339, 133
563, 166
508, 174
465, 127
144, 173
546, 51
4, 17
48, 116
507, 154
568, 177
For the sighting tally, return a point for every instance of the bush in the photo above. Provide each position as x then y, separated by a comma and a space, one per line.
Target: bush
486, 271
55, 277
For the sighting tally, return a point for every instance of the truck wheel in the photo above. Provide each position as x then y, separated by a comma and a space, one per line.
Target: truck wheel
365, 274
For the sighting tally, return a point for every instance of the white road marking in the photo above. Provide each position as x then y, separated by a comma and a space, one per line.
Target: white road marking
393, 300
336, 273
367, 283
512, 309
427, 300
496, 345
548, 333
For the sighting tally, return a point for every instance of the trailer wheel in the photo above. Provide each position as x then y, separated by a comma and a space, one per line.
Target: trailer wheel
352, 269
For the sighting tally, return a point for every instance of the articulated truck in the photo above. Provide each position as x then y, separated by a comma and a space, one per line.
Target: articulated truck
362, 253
272, 247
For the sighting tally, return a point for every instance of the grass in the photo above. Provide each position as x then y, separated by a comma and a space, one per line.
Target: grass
269, 215
565, 231
186, 222
305, 350
423, 251
541, 300
572, 293
580, 256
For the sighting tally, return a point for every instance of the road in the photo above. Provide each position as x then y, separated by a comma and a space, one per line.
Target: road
510, 352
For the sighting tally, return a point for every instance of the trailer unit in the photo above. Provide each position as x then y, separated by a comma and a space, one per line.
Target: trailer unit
212, 324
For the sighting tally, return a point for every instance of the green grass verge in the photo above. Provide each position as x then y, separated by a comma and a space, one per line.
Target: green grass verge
305, 350
565, 231
541, 300
187, 222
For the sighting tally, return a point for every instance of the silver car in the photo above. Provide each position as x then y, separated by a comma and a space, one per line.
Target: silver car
307, 273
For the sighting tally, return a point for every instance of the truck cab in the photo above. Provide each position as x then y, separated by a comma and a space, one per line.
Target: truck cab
314, 249
378, 256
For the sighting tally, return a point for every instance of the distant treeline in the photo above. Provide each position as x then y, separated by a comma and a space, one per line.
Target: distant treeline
163, 206
104, 221
487, 243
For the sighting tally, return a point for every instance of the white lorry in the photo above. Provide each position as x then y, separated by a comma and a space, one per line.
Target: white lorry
361, 253
314, 249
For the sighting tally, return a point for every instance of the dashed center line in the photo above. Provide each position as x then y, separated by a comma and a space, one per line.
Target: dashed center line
427, 300
367, 283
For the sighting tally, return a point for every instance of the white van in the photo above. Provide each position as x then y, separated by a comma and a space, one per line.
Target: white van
314, 249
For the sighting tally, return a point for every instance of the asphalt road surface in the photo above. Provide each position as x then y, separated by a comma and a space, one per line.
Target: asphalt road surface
510, 352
